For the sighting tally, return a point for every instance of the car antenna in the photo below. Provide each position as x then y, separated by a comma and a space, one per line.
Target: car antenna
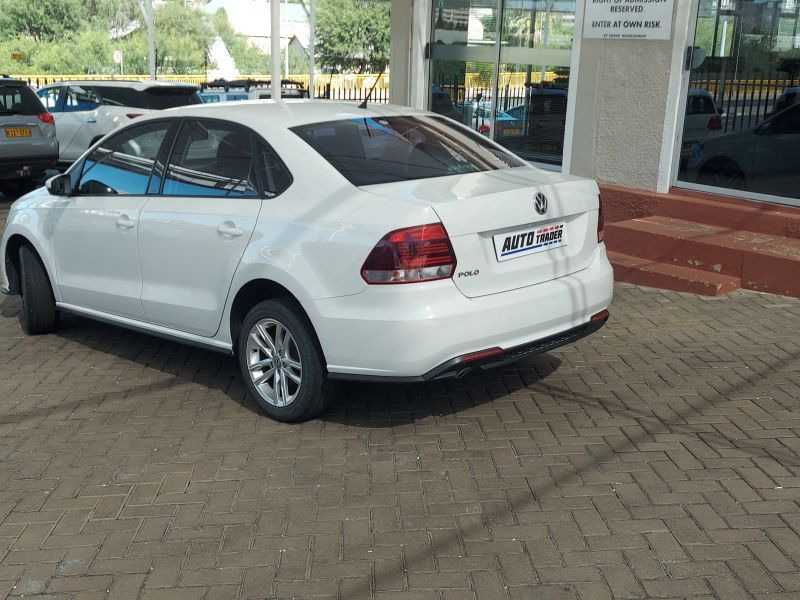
372, 89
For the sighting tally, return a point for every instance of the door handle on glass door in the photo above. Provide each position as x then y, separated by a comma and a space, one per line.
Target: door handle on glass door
229, 230
124, 222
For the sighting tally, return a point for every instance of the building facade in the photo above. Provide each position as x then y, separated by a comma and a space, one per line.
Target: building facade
653, 95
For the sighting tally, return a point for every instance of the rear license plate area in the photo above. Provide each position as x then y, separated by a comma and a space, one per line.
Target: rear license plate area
523, 242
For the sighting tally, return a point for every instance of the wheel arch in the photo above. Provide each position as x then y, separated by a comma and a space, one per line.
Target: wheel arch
12, 262
253, 292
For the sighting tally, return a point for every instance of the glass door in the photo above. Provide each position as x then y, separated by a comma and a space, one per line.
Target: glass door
502, 68
741, 132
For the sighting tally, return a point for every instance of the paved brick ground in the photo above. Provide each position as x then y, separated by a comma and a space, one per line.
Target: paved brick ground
657, 459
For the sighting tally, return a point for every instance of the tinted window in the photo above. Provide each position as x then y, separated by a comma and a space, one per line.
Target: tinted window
211, 159
122, 164
20, 100
787, 122
274, 174
700, 105
119, 96
80, 98
160, 98
384, 149
49, 97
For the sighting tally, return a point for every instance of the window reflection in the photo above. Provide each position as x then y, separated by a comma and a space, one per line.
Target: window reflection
740, 126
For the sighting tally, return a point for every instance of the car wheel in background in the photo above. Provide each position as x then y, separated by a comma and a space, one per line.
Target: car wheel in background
282, 363
725, 175
13, 188
39, 313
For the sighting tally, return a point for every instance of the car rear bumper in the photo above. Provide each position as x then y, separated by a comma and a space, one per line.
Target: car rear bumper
27, 166
421, 332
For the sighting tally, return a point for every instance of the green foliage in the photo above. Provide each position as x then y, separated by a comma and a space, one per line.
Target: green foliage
353, 35
70, 36
250, 59
43, 20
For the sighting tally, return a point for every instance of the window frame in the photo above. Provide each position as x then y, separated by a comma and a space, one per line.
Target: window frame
168, 141
258, 145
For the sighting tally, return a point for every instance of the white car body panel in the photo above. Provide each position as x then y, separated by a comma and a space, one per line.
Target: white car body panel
312, 240
187, 290
96, 253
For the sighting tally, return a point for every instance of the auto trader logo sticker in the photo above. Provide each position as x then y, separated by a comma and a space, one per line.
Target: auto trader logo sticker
529, 241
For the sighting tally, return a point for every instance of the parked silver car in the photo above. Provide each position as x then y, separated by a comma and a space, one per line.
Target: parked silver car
28, 144
763, 159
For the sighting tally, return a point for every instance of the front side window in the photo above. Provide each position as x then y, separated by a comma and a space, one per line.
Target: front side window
80, 98
212, 159
123, 163
385, 149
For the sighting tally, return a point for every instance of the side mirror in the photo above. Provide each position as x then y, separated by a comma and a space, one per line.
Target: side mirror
721, 111
60, 185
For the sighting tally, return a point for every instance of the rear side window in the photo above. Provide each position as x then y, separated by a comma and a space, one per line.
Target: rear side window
119, 96
385, 149
123, 163
80, 98
160, 98
212, 159
700, 105
19, 100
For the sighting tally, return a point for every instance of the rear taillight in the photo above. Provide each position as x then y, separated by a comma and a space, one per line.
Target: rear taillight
483, 129
409, 255
46, 117
715, 123
601, 221
133, 115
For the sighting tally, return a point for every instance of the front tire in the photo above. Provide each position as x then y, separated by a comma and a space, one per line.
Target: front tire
282, 363
39, 314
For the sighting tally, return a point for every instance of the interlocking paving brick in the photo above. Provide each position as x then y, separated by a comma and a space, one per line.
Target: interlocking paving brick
659, 458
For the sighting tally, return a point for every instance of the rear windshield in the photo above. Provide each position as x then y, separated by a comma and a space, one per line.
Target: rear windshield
153, 98
375, 150
19, 100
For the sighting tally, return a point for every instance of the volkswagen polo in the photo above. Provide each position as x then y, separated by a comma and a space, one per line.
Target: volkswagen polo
315, 242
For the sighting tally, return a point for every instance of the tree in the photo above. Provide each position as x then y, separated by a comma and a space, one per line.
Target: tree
42, 20
353, 35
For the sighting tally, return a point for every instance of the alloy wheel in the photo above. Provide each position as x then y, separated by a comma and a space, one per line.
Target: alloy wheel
273, 361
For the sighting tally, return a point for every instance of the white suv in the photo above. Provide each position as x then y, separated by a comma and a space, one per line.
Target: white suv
315, 241
85, 111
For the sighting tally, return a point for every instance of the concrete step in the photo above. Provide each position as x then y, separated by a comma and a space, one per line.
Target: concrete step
742, 215
642, 271
760, 261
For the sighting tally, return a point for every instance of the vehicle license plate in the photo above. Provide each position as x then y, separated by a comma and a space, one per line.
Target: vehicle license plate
18, 132
512, 131
530, 241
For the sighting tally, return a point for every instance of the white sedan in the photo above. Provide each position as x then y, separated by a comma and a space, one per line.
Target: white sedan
315, 242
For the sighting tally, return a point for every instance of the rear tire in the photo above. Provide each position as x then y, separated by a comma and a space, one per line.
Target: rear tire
14, 188
39, 314
282, 363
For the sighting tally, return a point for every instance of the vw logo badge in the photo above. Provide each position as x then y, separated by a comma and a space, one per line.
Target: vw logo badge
540, 203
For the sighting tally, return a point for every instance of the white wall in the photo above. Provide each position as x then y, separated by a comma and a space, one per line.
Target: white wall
629, 95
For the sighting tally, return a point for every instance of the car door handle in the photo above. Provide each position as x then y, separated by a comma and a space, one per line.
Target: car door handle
125, 222
229, 230
91, 120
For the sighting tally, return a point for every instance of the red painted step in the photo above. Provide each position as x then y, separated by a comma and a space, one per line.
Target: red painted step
731, 213
761, 261
642, 271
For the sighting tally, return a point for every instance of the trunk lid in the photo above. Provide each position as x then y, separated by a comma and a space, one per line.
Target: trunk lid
500, 240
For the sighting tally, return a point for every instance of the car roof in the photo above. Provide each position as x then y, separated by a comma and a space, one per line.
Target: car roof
287, 113
136, 85
11, 81
699, 92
